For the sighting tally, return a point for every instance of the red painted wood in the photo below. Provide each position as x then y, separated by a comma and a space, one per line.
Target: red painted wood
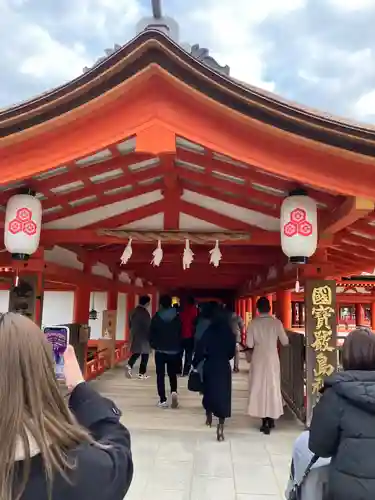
130, 305
250, 175
129, 216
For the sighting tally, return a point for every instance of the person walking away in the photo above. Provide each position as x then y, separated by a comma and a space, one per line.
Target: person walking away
165, 339
50, 450
214, 350
188, 317
238, 325
343, 421
265, 400
314, 486
139, 322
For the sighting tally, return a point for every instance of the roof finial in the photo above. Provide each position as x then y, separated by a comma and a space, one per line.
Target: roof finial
156, 9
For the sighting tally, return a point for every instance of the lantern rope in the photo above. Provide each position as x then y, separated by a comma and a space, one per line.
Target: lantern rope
175, 236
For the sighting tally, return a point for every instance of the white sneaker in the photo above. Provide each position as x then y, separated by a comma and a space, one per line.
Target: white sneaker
128, 372
174, 400
163, 404
143, 377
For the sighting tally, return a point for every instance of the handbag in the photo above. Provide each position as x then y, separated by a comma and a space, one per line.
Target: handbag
195, 382
296, 491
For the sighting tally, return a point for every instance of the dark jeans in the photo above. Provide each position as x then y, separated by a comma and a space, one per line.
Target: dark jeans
144, 361
172, 362
186, 356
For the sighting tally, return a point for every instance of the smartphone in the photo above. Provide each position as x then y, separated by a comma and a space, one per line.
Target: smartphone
58, 337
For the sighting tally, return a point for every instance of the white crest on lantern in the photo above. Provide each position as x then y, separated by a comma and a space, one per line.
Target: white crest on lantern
157, 255
188, 256
216, 255
299, 227
127, 253
22, 226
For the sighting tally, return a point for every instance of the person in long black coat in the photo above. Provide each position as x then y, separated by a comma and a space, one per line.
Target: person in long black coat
343, 423
214, 351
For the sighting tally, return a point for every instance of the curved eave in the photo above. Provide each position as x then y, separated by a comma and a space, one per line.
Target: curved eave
153, 47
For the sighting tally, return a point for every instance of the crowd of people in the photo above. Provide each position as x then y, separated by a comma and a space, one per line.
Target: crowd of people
58, 448
206, 339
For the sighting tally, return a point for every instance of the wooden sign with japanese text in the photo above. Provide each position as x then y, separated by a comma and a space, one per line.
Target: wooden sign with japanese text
107, 343
321, 337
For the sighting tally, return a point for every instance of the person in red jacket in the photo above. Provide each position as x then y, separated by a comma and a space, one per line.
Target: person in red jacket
188, 316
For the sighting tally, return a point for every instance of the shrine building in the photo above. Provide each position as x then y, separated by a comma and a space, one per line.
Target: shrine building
157, 146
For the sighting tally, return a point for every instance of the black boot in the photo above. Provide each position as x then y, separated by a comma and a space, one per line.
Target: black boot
265, 428
264, 425
220, 432
271, 423
209, 419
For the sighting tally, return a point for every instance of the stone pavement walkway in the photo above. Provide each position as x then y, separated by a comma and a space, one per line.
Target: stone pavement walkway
177, 458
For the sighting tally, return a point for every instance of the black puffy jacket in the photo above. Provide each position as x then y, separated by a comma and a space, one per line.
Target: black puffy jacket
343, 427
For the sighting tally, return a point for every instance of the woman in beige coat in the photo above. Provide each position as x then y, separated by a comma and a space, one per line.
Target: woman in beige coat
265, 400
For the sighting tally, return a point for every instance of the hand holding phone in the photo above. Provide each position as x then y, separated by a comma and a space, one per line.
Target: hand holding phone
72, 371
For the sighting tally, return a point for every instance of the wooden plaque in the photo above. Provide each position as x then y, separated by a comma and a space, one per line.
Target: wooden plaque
321, 337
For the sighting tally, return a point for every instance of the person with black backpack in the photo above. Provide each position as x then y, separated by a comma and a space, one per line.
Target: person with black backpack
166, 340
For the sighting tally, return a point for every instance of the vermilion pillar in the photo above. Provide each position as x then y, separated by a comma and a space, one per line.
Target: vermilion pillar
254, 306
130, 305
249, 306
81, 306
243, 309
373, 316
359, 315
112, 298
270, 299
284, 300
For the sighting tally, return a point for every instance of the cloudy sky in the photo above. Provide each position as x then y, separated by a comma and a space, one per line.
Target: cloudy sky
317, 52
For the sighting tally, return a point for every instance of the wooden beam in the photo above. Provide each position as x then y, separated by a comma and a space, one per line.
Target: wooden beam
220, 220
349, 212
89, 236
172, 194
251, 175
100, 201
238, 201
130, 216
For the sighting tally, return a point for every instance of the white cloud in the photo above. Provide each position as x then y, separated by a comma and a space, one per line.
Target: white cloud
365, 105
50, 59
231, 28
317, 52
350, 5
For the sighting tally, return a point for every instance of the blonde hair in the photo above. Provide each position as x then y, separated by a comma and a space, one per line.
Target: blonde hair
32, 407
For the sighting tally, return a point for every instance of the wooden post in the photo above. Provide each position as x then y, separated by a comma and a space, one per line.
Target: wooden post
270, 300
284, 300
321, 337
373, 316
130, 304
255, 312
112, 299
249, 311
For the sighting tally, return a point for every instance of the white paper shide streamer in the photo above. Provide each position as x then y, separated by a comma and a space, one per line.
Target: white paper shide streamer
216, 255
157, 255
127, 253
188, 256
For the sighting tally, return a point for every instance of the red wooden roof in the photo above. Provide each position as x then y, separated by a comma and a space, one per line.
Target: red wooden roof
193, 191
